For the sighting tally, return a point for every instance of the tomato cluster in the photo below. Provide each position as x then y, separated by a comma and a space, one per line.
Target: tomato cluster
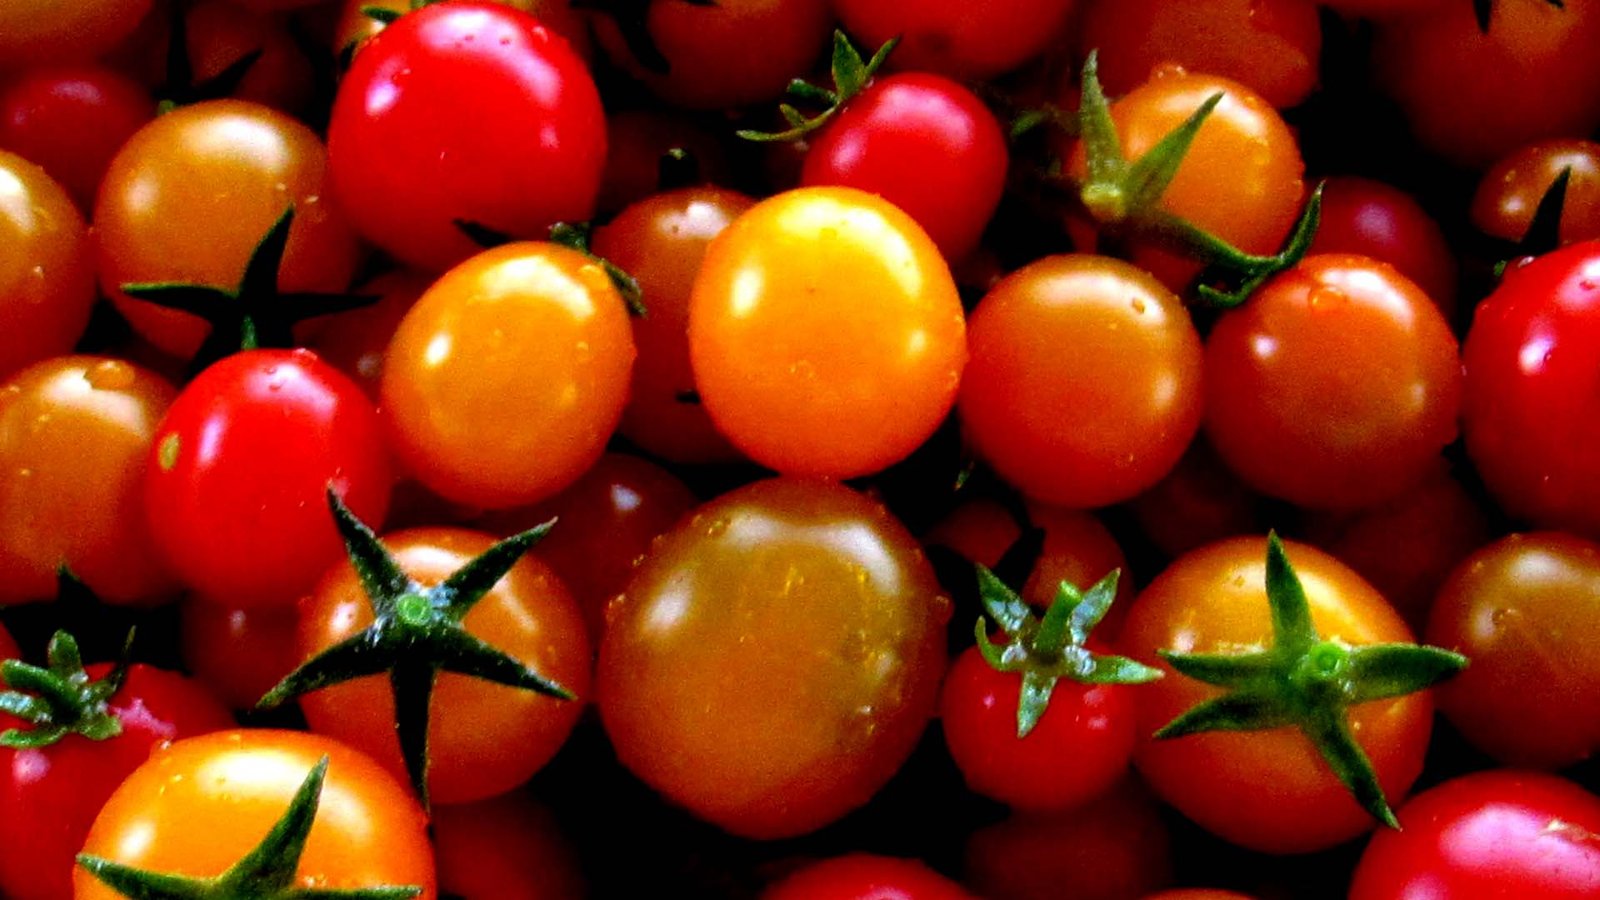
797, 449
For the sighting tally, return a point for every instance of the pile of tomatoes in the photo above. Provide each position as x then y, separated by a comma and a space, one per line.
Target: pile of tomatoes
793, 449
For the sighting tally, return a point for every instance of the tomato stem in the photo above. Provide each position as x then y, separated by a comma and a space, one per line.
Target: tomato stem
851, 74
60, 699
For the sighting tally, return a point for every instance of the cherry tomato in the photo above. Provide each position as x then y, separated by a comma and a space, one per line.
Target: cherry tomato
1522, 608
1530, 423
52, 794
638, 138
507, 377
268, 431
958, 39
1099, 424
1488, 834
1198, 502
465, 111
72, 120
239, 653
864, 876
75, 434
1266, 790
195, 808
775, 657
45, 31
46, 273
483, 739
354, 27
504, 848
793, 367
1336, 386
1373, 219
355, 342
221, 32
1510, 191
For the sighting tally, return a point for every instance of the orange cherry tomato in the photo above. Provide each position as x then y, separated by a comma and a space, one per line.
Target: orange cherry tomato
47, 270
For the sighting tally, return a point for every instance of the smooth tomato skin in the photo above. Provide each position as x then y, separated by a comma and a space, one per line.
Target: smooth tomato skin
775, 658
507, 377
1499, 833
505, 848
202, 803
470, 111
47, 272
75, 435
45, 31
923, 142
1524, 610
662, 241
354, 27
52, 795
1531, 425
268, 431
1372, 218
1270, 790
1510, 191
239, 653
798, 372
956, 39
1273, 47
1097, 425
866, 876
72, 120
1092, 725
189, 197
1335, 387
483, 738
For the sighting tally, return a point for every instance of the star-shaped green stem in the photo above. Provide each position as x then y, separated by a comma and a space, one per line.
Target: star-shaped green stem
416, 633
632, 18
1046, 650
265, 873
1124, 198
851, 74
254, 313
1308, 683
60, 699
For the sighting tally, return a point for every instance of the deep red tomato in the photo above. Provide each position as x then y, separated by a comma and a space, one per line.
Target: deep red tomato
638, 138
72, 120
52, 794
47, 271
955, 38
1510, 191
505, 848
464, 111
1371, 218
1531, 422
864, 876
1336, 386
1099, 424
239, 653
1488, 834
923, 142
356, 341
267, 432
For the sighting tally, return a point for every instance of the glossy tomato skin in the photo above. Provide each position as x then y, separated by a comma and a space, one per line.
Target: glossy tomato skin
47, 273
1090, 724
1500, 833
72, 120
52, 795
1523, 609
793, 367
203, 803
865, 876
1504, 203
958, 39
1529, 421
464, 111
923, 142
1269, 790
507, 377
75, 436
483, 739
1336, 386
268, 432
775, 658
1099, 424
1372, 218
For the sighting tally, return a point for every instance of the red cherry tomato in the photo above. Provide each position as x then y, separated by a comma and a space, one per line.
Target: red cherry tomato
1373, 219
239, 653
72, 120
1509, 193
862, 876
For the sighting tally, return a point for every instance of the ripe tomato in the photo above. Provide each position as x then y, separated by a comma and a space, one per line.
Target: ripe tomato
1373, 219
505, 848
1510, 191
864, 876
1099, 424
464, 111
1336, 386
45, 31
195, 808
356, 341
75, 434
775, 657
1523, 609
638, 138
1198, 502
958, 39
1531, 425
483, 739
507, 377
239, 653
47, 271
72, 120
793, 367
1488, 834
268, 431
1265, 790
354, 27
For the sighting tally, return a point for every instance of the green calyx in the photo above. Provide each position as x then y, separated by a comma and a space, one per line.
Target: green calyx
1306, 682
265, 873
1124, 198
60, 699
253, 313
1045, 650
851, 75
573, 237
416, 633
